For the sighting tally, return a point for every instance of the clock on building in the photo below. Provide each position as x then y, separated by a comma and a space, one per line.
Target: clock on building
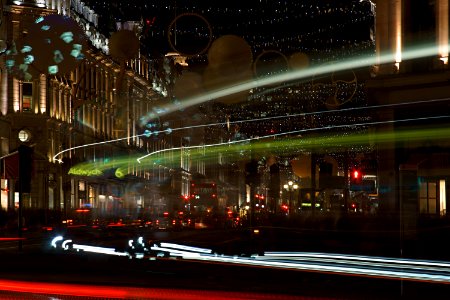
24, 135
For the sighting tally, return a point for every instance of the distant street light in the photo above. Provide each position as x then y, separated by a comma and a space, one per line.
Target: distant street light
290, 187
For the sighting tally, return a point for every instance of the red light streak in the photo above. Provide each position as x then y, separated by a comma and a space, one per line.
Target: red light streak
11, 239
103, 292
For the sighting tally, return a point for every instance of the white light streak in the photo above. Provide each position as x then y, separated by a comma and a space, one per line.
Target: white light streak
65, 245
187, 248
287, 133
55, 240
174, 252
275, 79
100, 250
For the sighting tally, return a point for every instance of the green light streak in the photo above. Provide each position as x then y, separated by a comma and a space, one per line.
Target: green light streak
292, 145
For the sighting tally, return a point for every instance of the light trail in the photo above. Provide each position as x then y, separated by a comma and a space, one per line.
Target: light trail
279, 78
300, 74
39, 289
319, 266
292, 144
347, 264
291, 132
434, 266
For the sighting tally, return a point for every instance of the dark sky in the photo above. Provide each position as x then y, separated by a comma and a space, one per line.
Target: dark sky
289, 26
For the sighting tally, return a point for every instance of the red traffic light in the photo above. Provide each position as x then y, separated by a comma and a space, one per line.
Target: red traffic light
356, 174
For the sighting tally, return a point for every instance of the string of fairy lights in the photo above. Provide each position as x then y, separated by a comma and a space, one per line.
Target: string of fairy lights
312, 26
324, 30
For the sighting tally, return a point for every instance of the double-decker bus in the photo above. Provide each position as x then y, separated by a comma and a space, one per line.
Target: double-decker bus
203, 202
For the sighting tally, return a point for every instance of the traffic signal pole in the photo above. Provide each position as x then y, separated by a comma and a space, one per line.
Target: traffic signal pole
25, 167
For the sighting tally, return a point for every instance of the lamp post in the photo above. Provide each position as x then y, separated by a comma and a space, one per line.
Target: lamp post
290, 187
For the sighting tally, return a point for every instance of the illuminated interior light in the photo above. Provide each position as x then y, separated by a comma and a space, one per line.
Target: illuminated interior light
442, 29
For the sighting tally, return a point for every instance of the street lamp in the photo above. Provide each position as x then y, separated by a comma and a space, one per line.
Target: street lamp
290, 187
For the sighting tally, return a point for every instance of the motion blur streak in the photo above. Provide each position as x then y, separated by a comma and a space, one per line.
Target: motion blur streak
100, 250
55, 157
294, 255
390, 271
319, 142
353, 63
294, 143
105, 292
174, 252
187, 248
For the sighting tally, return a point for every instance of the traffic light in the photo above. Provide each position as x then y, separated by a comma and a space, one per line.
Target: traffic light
25, 168
356, 180
356, 175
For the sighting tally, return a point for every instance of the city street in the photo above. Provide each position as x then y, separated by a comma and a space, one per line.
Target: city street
38, 262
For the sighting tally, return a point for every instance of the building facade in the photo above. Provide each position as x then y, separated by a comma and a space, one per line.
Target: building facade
411, 88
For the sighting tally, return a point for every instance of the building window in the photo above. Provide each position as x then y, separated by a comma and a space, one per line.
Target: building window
432, 195
27, 96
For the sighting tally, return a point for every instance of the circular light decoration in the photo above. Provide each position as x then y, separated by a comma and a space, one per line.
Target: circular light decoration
188, 84
123, 45
301, 166
189, 34
298, 61
232, 53
230, 59
270, 62
216, 79
336, 88
55, 43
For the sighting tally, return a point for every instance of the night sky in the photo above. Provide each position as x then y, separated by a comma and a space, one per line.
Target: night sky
316, 27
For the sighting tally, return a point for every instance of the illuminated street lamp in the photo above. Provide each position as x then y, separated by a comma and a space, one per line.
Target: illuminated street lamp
290, 187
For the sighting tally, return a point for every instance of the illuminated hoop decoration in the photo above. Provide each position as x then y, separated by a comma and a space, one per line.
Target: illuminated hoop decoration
172, 27
277, 65
332, 99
